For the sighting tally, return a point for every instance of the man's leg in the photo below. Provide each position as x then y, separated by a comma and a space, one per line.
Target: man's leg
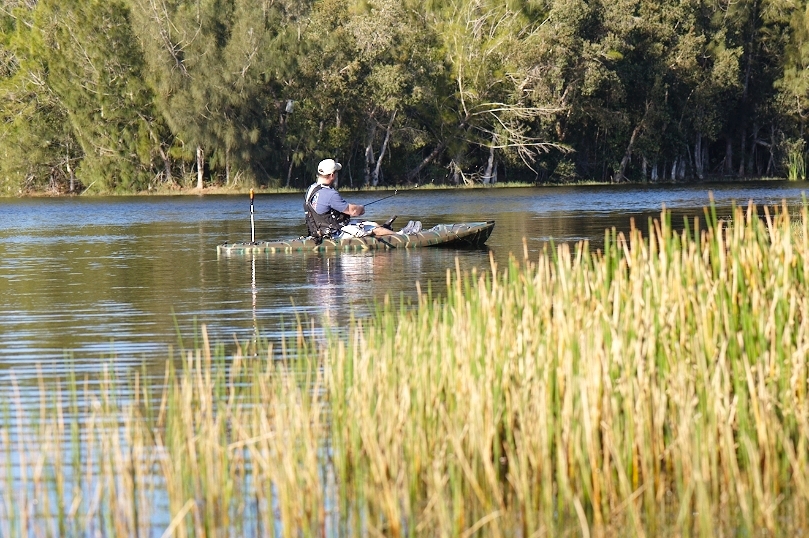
379, 231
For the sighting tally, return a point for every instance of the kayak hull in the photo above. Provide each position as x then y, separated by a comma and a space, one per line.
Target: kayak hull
466, 235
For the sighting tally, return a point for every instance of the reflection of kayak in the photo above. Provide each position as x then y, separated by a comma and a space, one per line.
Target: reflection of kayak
471, 234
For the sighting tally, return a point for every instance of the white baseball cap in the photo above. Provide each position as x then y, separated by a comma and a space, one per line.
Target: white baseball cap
328, 166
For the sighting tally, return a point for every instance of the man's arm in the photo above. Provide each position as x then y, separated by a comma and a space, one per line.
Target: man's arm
355, 210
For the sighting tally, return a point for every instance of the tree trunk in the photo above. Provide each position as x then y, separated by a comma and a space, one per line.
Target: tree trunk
227, 167
771, 162
377, 169
490, 174
741, 153
706, 160
698, 157
728, 168
200, 166
412, 174
628, 152
751, 156
292, 162
369, 150
70, 173
166, 164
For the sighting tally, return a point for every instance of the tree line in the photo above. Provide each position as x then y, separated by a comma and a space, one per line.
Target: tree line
131, 95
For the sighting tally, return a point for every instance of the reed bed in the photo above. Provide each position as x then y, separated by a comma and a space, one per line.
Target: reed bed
655, 388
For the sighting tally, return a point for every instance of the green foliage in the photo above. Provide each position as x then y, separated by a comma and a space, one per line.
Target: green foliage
36, 144
94, 72
217, 68
793, 84
118, 96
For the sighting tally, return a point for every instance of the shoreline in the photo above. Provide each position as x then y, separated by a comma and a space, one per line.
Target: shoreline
218, 190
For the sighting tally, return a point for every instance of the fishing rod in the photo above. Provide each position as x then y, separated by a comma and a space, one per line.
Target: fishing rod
252, 219
395, 192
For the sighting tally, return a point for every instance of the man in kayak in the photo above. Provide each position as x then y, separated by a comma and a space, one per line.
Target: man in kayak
328, 215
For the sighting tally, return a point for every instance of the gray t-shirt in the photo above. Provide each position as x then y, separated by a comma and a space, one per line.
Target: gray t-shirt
327, 198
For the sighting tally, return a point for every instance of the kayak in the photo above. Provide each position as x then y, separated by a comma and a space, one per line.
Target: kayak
466, 235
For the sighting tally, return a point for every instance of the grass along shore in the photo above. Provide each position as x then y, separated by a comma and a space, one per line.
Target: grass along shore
243, 188
657, 388
188, 187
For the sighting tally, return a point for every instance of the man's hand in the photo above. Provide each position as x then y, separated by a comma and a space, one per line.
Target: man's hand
355, 210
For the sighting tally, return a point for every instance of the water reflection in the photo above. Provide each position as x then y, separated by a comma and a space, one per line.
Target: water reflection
331, 277
340, 283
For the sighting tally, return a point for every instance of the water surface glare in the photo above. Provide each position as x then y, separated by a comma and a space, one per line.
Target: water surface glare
101, 280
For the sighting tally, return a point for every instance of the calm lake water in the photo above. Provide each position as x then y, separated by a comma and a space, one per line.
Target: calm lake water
122, 279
